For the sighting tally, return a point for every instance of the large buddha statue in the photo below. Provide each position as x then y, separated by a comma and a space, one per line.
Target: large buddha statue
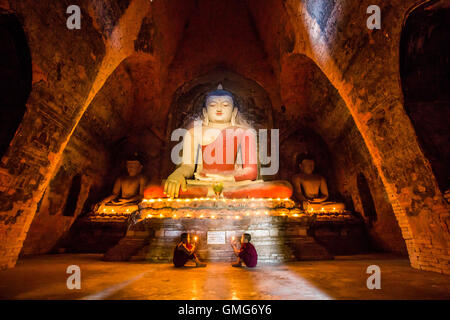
311, 189
220, 149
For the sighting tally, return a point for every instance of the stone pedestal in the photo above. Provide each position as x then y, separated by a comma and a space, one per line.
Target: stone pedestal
277, 239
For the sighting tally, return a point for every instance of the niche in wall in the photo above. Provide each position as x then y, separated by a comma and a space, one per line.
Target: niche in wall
15, 78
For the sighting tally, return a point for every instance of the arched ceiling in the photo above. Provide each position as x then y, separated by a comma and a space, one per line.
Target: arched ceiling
181, 40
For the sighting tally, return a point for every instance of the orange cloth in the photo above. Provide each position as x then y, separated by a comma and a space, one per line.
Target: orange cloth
269, 189
231, 140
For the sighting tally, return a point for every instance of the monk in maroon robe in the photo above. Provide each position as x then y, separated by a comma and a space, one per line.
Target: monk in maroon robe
185, 251
246, 254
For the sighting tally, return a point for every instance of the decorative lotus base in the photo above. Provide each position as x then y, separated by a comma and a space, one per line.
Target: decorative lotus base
220, 208
213, 208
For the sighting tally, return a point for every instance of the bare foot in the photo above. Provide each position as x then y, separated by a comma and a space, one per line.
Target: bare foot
201, 265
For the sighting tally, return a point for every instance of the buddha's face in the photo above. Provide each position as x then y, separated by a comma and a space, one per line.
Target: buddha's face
134, 168
307, 166
219, 109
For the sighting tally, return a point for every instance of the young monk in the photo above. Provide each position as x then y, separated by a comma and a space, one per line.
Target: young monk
185, 251
247, 254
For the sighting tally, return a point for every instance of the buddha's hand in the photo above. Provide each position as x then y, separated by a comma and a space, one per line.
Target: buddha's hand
220, 177
173, 184
201, 176
213, 177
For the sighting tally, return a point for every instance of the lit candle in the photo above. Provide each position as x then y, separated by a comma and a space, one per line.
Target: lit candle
233, 238
195, 238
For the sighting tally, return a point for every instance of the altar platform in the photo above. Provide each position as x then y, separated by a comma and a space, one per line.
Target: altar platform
212, 208
280, 230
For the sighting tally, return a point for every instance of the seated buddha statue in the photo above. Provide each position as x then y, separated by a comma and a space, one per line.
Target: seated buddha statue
128, 189
219, 149
312, 190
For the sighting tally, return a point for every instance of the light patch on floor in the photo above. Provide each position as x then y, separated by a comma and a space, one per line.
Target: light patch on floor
44, 277
111, 290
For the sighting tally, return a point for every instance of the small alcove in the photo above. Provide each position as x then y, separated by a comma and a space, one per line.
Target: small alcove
72, 198
366, 199
15, 78
424, 72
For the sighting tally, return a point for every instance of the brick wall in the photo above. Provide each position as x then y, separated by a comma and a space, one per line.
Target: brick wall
363, 66
65, 81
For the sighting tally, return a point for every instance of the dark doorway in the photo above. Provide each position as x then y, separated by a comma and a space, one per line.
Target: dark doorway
15, 78
425, 76
366, 199
72, 198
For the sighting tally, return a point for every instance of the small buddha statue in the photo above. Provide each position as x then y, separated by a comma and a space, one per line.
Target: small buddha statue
312, 190
129, 189
225, 148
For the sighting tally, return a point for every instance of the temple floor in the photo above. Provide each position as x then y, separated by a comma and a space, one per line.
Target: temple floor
44, 277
